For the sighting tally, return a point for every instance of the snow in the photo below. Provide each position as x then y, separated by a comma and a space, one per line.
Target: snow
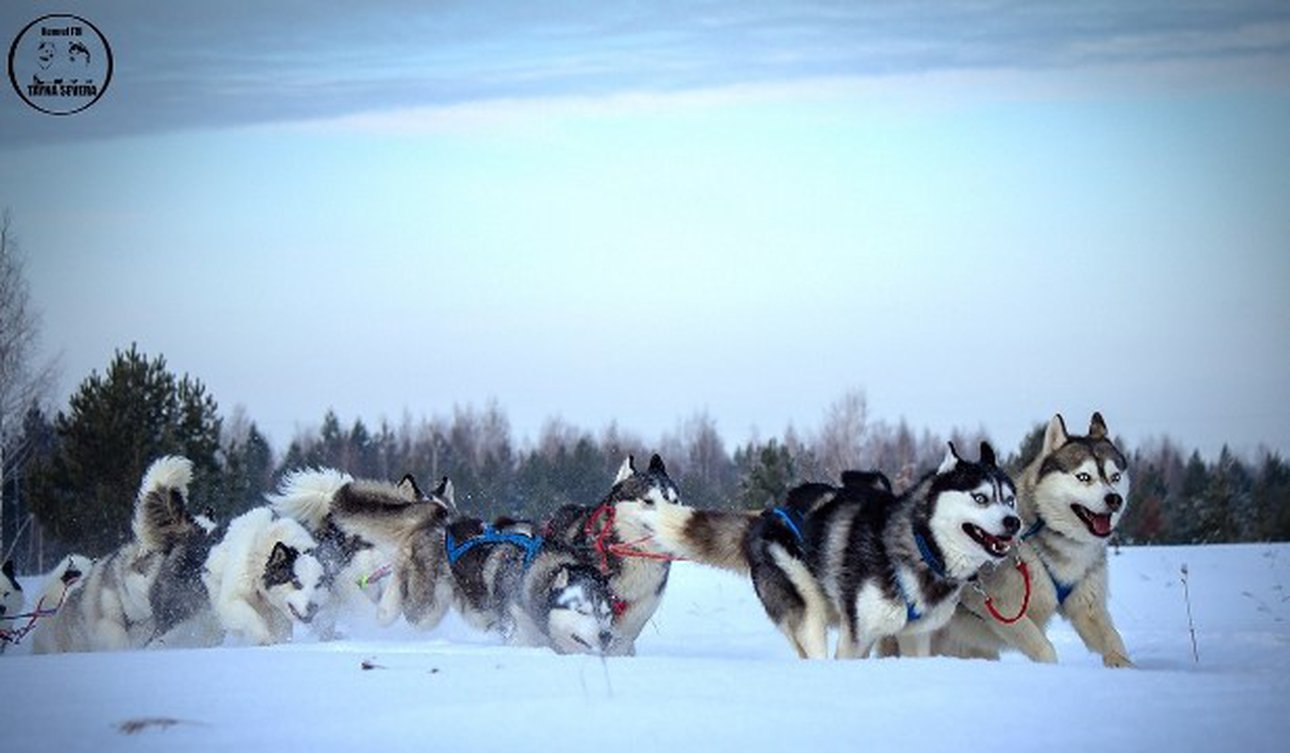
711, 674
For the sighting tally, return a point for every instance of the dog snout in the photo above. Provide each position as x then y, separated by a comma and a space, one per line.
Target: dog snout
1012, 524
1114, 502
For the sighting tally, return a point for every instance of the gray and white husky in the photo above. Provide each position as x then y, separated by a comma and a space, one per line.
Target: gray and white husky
874, 564
12, 601
535, 591
1072, 497
111, 607
616, 544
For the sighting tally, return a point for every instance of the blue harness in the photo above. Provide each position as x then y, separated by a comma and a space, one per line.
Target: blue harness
1063, 589
793, 519
529, 544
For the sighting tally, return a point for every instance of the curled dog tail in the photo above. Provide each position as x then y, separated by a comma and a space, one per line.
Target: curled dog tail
713, 537
160, 517
307, 495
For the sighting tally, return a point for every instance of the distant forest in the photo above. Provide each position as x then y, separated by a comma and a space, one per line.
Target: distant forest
71, 477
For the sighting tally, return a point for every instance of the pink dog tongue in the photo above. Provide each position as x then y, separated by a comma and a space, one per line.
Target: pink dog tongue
1101, 524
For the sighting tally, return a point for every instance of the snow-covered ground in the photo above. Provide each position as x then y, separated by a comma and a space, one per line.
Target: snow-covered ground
711, 675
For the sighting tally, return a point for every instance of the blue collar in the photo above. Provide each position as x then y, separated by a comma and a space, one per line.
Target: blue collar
529, 544
929, 557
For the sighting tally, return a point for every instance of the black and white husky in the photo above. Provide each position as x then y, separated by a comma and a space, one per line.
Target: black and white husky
263, 578
1071, 498
12, 601
112, 607
510, 579
366, 527
616, 544
856, 556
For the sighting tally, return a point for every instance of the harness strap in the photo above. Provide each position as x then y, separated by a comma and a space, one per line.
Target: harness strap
1024, 569
1063, 589
16, 635
929, 557
530, 545
787, 515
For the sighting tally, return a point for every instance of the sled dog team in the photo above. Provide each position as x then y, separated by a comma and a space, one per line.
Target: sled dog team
965, 562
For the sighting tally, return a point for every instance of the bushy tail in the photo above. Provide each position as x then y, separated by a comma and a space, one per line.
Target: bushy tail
160, 517
307, 495
713, 537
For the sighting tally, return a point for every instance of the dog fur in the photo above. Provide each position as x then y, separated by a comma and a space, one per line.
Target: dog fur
111, 609
263, 578
637, 582
856, 556
1071, 496
366, 524
534, 591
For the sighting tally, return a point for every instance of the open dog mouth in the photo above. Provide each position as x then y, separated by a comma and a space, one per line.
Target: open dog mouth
995, 546
1098, 523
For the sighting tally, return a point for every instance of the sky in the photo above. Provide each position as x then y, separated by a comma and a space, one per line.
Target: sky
977, 213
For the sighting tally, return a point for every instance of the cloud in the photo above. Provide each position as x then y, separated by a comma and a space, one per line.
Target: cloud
183, 66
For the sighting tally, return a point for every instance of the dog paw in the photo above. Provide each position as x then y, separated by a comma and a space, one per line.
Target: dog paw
1116, 660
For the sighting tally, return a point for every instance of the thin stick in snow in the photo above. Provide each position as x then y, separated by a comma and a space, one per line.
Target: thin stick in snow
1191, 625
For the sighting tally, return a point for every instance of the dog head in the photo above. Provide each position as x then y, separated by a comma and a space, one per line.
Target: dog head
580, 610
11, 597
293, 581
1083, 482
637, 494
442, 495
972, 512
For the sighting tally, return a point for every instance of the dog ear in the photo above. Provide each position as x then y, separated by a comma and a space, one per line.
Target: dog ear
1055, 436
987, 454
408, 486
281, 556
8, 570
1097, 427
561, 579
656, 465
950, 461
626, 470
446, 492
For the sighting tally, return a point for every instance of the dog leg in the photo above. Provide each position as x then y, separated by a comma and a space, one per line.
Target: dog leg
1093, 623
390, 606
916, 645
236, 616
1028, 638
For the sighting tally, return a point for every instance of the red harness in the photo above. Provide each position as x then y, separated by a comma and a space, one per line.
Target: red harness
16, 635
603, 547
1025, 598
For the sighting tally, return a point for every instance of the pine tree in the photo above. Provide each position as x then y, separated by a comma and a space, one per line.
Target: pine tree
115, 426
768, 474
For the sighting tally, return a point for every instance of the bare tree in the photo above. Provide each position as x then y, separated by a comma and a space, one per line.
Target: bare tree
22, 383
840, 443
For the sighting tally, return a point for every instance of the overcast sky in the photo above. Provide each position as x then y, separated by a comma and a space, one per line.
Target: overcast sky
978, 213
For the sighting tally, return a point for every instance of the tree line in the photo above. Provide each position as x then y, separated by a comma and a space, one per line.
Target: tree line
80, 470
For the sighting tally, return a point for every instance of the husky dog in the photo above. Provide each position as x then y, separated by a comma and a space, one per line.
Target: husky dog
263, 577
368, 524
12, 599
111, 608
1072, 496
857, 556
181, 608
537, 592
601, 535
66, 576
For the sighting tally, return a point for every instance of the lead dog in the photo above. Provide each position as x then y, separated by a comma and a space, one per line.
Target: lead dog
1072, 497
